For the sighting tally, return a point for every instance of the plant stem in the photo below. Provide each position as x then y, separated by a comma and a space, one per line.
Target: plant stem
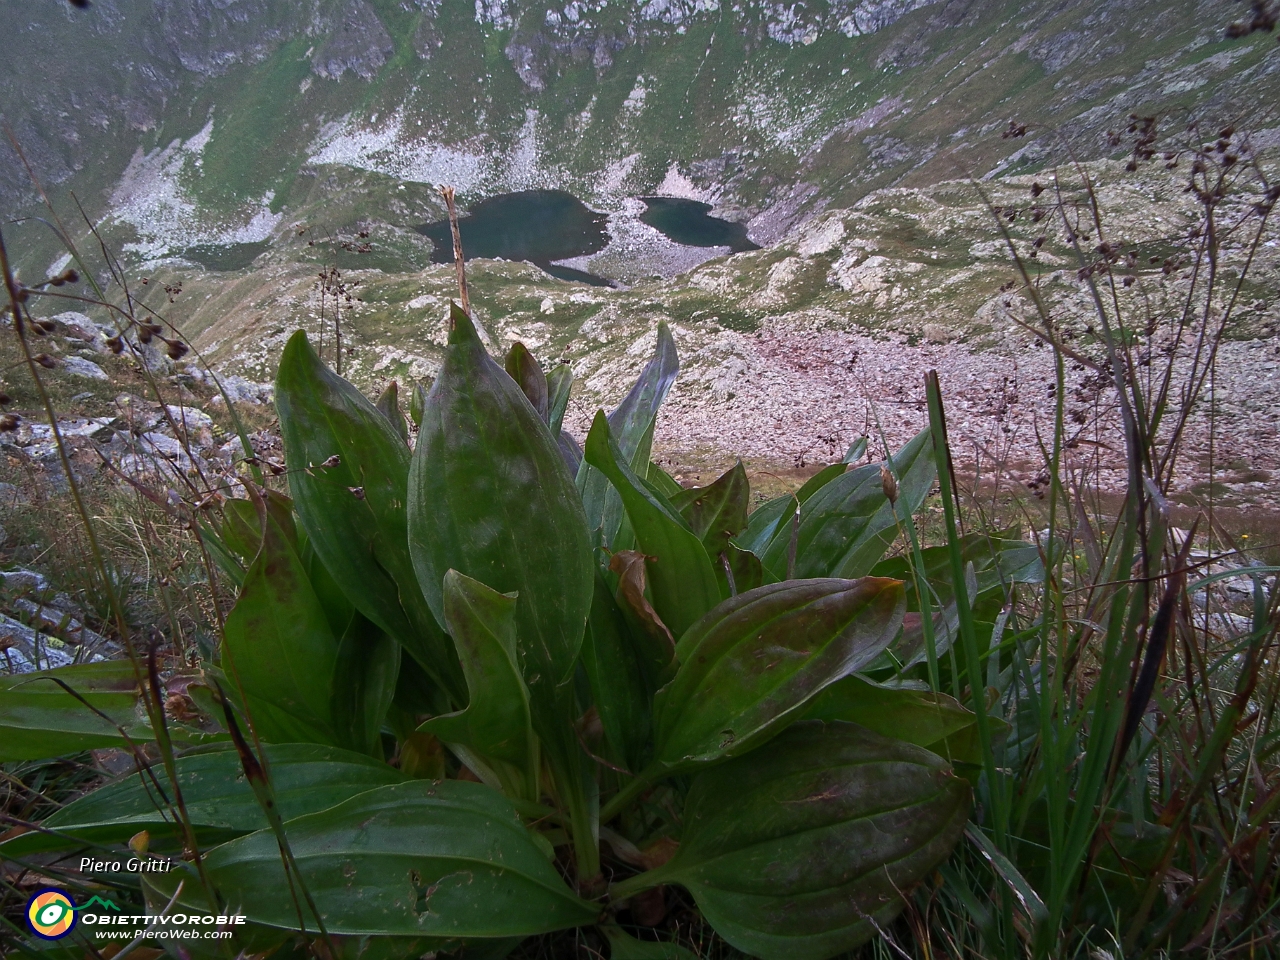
458, 259
639, 883
645, 779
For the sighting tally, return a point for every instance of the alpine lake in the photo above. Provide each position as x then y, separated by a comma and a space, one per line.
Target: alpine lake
544, 226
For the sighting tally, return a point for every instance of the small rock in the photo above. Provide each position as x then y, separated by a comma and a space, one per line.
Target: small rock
52, 620
23, 581
190, 417
548, 306
25, 650
162, 445
240, 390
80, 367
107, 432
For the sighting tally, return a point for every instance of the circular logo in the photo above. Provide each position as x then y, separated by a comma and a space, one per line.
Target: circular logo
51, 914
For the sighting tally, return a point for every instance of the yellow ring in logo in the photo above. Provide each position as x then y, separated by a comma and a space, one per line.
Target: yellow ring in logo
51, 914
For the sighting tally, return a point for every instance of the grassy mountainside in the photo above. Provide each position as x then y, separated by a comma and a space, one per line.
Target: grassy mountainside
236, 152
182, 123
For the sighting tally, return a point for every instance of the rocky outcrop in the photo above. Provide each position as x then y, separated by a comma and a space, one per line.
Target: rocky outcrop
428, 38
546, 42
861, 17
358, 43
209, 37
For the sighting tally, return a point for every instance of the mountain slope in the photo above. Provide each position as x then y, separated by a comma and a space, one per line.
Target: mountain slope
185, 122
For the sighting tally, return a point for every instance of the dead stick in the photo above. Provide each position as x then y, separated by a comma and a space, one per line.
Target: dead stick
447, 193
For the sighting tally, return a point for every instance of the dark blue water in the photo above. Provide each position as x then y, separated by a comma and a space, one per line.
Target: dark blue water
535, 225
225, 256
542, 226
688, 222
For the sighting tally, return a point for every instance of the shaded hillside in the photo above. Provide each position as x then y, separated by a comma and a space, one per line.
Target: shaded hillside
185, 123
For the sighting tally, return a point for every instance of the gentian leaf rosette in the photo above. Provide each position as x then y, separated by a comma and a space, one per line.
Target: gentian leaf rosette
797, 850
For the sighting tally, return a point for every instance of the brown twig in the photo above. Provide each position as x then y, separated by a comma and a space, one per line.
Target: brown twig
448, 194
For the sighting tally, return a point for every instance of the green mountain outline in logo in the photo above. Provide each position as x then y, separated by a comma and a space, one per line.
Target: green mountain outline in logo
106, 904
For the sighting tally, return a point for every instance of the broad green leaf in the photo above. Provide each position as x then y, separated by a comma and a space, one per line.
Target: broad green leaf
847, 525
631, 426
650, 637
766, 522
279, 647
489, 496
348, 473
792, 851
496, 722
997, 562
337, 608
389, 406
241, 527
745, 568
748, 667
820, 480
680, 575
617, 680
718, 511
241, 530
559, 383
623, 946
221, 554
911, 648
39, 718
440, 859
246, 940
364, 683
662, 481
525, 370
857, 450
992, 566
570, 452
307, 777
417, 402
931, 720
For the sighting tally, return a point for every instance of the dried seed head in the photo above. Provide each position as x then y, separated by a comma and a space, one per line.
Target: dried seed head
45, 361
70, 275
9, 422
177, 349
5, 398
115, 344
144, 333
357, 492
332, 461
889, 485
